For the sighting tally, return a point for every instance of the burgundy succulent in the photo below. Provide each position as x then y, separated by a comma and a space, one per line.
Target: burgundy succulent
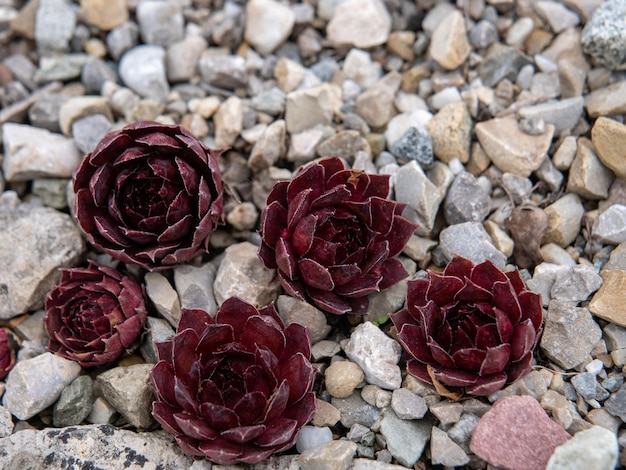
7, 353
149, 194
234, 388
473, 328
94, 315
332, 233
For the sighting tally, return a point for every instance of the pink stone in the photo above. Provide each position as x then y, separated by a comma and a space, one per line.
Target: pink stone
517, 434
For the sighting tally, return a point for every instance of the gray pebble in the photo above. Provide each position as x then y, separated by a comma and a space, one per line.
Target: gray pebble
160, 23
466, 201
408, 405
405, 439
414, 144
54, 25
603, 36
142, 68
470, 240
88, 131
122, 38
312, 436
95, 72
74, 404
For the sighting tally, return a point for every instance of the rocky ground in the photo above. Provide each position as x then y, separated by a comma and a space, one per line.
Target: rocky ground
501, 123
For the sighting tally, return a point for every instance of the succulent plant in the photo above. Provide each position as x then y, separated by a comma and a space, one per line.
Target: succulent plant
472, 328
7, 353
94, 315
149, 194
236, 387
332, 234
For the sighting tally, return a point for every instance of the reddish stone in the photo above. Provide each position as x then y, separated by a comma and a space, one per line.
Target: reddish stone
517, 434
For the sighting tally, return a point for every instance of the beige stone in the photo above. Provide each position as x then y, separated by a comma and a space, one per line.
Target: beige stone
24, 22
342, 377
104, 14
307, 108
400, 43
81, 106
588, 177
228, 122
451, 132
510, 149
564, 216
607, 100
501, 240
359, 23
375, 105
609, 139
289, 74
325, 415
449, 46
608, 302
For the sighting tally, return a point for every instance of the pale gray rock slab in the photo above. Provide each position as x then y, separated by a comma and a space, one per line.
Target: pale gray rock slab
359, 67
335, 454
74, 403
122, 38
128, 390
63, 67
470, 240
22, 69
182, 58
268, 24
368, 464
355, 409
359, 23
444, 451
408, 405
610, 225
88, 131
223, 70
569, 334
101, 412
194, 285
595, 447
51, 191
293, 310
422, 197
241, 273
34, 242
94, 446
543, 279
160, 23
307, 108
36, 383
377, 354
54, 25
157, 330
95, 72
575, 284
142, 69
313, 436
270, 101
614, 336
30, 152
270, 147
585, 384
406, 440
563, 114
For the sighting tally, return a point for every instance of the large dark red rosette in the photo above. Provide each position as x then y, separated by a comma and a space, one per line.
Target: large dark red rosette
332, 234
7, 353
95, 315
149, 194
237, 387
473, 327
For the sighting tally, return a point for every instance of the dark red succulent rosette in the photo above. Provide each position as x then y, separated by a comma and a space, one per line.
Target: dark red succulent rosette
472, 328
149, 194
236, 387
95, 315
332, 234
7, 353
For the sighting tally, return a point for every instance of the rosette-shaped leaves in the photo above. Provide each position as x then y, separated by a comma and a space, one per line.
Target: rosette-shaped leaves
332, 234
94, 315
472, 328
234, 388
149, 194
7, 353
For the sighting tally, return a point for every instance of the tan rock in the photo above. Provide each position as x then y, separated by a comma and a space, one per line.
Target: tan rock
412, 77
400, 43
564, 216
359, 23
24, 22
81, 106
344, 144
307, 108
607, 100
510, 149
289, 74
608, 302
342, 377
501, 240
228, 122
375, 105
609, 139
449, 46
451, 132
588, 177
104, 14
325, 415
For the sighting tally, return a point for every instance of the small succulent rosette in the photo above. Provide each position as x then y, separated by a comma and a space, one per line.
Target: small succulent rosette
149, 194
236, 387
472, 328
95, 315
7, 353
333, 234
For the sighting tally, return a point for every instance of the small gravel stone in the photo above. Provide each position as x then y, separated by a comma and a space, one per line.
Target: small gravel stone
74, 404
223, 70
377, 354
104, 15
406, 440
408, 405
449, 45
194, 285
595, 447
569, 335
470, 240
562, 114
422, 197
447, 412
34, 384
516, 433
160, 23
268, 24
376, 396
335, 454
101, 412
609, 226
588, 177
608, 303
585, 385
122, 38
312, 436
466, 200
88, 131
142, 69
128, 390
54, 25
564, 218
359, 23
603, 35
607, 100
325, 415
414, 144
312, 106
354, 409
182, 58
6, 422
157, 330
444, 451
576, 284
342, 377
293, 310
163, 297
